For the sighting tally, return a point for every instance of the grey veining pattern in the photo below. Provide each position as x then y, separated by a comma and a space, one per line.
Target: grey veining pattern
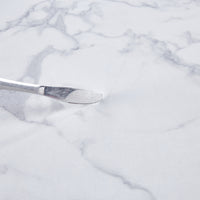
142, 141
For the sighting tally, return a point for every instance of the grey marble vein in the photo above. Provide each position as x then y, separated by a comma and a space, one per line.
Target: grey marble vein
127, 183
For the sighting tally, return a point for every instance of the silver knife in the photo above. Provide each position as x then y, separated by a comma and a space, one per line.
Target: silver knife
66, 94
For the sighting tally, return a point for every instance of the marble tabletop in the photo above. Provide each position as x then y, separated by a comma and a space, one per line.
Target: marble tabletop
142, 142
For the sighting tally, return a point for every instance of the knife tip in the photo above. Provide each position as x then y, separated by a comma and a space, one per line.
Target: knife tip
84, 97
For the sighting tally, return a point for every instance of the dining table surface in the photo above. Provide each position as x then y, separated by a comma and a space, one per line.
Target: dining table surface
142, 140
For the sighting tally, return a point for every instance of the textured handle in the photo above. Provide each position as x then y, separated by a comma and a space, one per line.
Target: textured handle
19, 86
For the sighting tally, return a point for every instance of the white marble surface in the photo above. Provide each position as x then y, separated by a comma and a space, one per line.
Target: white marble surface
142, 141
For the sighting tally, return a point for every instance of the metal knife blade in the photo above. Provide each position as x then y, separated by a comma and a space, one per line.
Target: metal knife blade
72, 95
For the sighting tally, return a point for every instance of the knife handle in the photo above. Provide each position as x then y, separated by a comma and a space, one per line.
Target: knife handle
19, 86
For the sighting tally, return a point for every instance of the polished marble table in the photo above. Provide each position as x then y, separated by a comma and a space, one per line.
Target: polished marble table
142, 142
